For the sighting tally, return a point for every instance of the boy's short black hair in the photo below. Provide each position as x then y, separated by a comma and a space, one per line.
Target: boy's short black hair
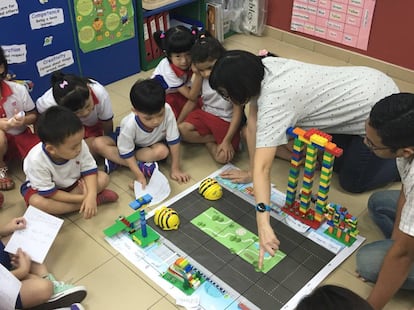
3, 61
238, 75
147, 96
332, 297
393, 119
56, 124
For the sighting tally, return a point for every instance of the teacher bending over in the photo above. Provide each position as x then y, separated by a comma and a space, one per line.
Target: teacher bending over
286, 93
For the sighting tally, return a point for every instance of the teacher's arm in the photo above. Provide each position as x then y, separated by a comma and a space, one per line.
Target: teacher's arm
263, 160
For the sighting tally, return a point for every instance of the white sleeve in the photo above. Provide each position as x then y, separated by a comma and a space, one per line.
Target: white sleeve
126, 138
88, 163
104, 107
40, 177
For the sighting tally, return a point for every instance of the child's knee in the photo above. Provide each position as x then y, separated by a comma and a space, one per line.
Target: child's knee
103, 179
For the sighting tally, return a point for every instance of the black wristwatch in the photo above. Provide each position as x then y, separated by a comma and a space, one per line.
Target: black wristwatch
261, 207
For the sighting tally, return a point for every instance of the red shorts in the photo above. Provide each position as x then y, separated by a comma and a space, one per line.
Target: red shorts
28, 191
177, 102
206, 123
93, 131
19, 145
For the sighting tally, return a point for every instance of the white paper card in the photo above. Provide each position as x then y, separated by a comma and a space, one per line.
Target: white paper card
38, 236
158, 187
9, 288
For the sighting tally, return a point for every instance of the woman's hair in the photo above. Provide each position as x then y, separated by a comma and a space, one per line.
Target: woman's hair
3, 61
147, 96
332, 297
393, 119
238, 75
178, 39
69, 90
206, 48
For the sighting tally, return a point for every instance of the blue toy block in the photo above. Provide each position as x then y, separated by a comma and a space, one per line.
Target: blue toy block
141, 201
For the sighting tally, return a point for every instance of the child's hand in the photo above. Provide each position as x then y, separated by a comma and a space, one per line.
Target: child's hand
18, 119
227, 149
21, 262
17, 223
89, 207
179, 176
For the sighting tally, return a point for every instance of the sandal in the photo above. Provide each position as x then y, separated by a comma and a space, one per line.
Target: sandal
6, 183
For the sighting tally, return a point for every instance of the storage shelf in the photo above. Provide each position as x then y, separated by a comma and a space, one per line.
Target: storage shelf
168, 7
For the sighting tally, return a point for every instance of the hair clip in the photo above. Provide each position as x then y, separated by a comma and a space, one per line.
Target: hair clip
162, 35
203, 36
263, 52
63, 84
193, 32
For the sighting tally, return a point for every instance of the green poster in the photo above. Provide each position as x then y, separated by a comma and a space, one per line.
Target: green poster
101, 23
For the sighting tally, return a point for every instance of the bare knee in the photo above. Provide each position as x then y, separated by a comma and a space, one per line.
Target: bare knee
161, 152
103, 180
35, 292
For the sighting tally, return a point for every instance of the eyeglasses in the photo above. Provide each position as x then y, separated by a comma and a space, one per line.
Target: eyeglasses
372, 146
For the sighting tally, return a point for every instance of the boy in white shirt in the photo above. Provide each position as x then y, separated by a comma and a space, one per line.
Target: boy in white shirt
61, 174
150, 132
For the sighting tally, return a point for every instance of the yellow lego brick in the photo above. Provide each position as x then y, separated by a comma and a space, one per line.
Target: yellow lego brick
310, 166
325, 178
305, 200
311, 151
297, 148
319, 140
321, 202
318, 217
303, 139
322, 195
306, 191
303, 210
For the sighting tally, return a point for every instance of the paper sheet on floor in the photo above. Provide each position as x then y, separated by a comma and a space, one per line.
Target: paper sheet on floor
158, 187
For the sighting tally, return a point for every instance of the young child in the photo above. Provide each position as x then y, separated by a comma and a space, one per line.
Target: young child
390, 262
217, 123
61, 174
333, 297
17, 112
174, 71
150, 132
90, 101
39, 287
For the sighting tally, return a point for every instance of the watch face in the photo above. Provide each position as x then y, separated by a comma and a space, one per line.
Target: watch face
261, 207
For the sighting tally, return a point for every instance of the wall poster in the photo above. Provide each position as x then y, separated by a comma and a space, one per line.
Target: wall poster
103, 23
343, 21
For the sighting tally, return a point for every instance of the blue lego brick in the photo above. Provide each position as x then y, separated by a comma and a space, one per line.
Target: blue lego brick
141, 201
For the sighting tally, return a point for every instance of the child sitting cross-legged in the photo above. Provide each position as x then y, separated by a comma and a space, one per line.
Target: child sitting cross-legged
149, 133
61, 174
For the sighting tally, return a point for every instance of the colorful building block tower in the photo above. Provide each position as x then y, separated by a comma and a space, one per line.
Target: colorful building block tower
342, 225
314, 140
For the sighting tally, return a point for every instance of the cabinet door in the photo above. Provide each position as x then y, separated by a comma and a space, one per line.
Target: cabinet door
38, 39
